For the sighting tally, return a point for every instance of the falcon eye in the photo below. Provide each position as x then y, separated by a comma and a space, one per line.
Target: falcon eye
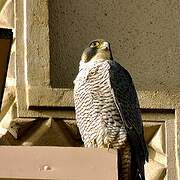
94, 44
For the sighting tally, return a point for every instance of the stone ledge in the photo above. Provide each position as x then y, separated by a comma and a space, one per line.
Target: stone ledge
49, 97
58, 163
56, 97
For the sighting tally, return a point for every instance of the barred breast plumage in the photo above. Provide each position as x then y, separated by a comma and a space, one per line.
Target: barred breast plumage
97, 116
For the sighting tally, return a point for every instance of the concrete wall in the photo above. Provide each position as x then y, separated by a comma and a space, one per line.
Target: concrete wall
144, 35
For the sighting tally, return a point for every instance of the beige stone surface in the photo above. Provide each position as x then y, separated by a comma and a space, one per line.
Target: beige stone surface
144, 36
155, 138
36, 42
155, 171
39, 132
2, 2
158, 141
9, 116
49, 132
53, 132
178, 139
8, 100
38, 96
58, 132
55, 163
11, 69
7, 13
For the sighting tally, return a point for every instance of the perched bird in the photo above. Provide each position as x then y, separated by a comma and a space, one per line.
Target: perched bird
107, 109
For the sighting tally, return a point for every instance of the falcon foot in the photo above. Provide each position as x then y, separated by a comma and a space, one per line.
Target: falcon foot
94, 143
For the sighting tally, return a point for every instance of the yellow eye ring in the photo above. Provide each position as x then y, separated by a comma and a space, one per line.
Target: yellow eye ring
94, 44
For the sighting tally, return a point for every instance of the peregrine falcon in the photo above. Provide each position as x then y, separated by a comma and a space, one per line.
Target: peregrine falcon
107, 109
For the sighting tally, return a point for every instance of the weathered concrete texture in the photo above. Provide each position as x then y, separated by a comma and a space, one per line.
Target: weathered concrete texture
41, 132
36, 44
144, 35
58, 132
178, 138
38, 97
11, 67
47, 163
155, 139
8, 100
7, 13
161, 139
2, 2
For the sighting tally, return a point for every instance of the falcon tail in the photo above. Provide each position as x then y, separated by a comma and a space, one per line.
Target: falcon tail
128, 167
137, 170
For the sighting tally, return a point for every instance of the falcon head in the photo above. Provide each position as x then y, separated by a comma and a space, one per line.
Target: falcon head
97, 49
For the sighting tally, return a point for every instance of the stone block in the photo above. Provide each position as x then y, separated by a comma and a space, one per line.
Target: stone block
7, 14
50, 163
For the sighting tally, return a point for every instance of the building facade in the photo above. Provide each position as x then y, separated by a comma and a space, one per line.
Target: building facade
49, 36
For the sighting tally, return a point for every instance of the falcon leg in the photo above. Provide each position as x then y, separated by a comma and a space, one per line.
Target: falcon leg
94, 143
109, 146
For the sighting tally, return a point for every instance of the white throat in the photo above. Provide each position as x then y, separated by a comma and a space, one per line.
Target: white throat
90, 64
85, 68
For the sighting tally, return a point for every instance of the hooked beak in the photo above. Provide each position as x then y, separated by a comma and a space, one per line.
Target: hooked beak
105, 45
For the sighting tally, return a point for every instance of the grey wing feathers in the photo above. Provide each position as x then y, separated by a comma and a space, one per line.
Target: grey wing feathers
128, 106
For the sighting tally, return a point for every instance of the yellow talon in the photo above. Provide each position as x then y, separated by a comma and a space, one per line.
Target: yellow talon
94, 143
109, 146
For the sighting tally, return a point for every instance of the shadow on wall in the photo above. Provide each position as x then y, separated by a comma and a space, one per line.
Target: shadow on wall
144, 38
